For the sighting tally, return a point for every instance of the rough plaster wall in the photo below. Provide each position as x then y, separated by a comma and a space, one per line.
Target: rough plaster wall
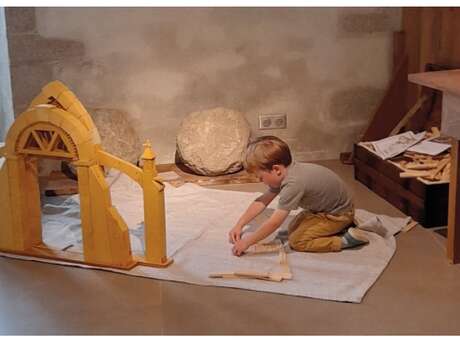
6, 103
326, 68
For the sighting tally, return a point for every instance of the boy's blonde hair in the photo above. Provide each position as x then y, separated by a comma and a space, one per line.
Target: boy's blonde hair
266, 151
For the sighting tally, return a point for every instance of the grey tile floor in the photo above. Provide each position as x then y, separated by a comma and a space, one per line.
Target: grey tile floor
418, 293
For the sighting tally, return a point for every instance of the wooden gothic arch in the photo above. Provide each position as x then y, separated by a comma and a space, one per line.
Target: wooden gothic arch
57, 126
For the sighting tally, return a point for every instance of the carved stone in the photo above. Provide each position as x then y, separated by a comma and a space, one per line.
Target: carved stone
212, 142
117, 135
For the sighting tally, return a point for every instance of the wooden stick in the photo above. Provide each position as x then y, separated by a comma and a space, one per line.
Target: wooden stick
409, 226
275, 277
446, 173
286, 271
409, 114
441, 166
435, 133
415, 173
421, 166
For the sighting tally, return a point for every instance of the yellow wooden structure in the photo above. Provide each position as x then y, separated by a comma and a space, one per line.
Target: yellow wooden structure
57, 126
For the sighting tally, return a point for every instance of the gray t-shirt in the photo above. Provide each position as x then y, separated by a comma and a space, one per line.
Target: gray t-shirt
313, 188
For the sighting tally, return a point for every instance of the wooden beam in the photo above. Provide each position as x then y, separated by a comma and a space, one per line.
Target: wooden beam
453, 227
392, 108
415, 173
399, 40
409, 114
409, 226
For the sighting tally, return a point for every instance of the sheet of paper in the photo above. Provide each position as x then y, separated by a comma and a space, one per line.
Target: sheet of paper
396, 144
429, 148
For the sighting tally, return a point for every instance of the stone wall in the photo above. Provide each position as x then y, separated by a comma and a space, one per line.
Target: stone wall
6, 104
326, 68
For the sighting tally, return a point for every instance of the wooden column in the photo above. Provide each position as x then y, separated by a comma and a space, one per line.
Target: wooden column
453, 228
449, 83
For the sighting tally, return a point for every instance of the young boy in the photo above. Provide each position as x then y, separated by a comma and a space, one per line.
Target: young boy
327, 206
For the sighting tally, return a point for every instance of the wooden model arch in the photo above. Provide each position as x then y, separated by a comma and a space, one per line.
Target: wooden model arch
56, 125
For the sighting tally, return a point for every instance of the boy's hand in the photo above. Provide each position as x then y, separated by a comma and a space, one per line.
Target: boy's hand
240, 247
235, 234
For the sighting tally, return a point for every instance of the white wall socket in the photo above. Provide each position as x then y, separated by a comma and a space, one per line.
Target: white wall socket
274, 121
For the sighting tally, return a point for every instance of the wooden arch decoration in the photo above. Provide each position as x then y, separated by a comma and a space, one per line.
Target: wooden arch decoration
56, 125
47, 140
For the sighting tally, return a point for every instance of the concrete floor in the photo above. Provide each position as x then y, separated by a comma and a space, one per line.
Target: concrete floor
418, 293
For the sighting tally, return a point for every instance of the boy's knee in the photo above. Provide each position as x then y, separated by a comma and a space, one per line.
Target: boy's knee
298, 244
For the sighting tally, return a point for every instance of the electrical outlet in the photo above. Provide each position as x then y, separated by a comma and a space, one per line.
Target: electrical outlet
275, 121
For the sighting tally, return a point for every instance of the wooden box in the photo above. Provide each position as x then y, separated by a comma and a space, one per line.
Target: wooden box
426, 203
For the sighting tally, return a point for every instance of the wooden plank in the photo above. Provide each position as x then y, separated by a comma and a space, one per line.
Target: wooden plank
392, 108
409, 114
441, 166
420, 166
398, 48
446, 81
449, 45
410, 226
248, 275
453, 227
411, 25
446, 173
415, 173
270, 247
429, 36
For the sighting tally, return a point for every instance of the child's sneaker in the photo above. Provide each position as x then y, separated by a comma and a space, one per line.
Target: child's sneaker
353, 238
282, 235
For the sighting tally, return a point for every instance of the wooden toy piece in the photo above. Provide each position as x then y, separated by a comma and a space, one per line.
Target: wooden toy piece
57, 126
415, 173
435, 133
154, 211
248, 275
285, 269
440, 167
446, 173
270, 247
285, 273
421, 166
409, 226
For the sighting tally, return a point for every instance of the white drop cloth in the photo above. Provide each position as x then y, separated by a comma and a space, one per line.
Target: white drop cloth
198, 220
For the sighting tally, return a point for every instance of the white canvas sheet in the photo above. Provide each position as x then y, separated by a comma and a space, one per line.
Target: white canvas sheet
198, 220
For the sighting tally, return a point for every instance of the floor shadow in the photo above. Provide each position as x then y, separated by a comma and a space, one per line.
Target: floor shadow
442, 232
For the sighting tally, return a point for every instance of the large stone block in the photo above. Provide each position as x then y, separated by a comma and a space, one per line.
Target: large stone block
362, 20
212, 142
118, 137
34, 48
27, 81
20, 19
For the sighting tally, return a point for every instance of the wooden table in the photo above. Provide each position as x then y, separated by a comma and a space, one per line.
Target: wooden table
449, 83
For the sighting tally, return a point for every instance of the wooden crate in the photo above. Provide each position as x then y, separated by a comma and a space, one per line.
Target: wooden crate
426, 203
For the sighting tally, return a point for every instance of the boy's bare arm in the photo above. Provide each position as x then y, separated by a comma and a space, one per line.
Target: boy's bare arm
256, 207
264, 230
268, 227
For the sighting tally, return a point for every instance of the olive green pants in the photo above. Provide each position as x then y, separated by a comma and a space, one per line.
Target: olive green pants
314, 232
